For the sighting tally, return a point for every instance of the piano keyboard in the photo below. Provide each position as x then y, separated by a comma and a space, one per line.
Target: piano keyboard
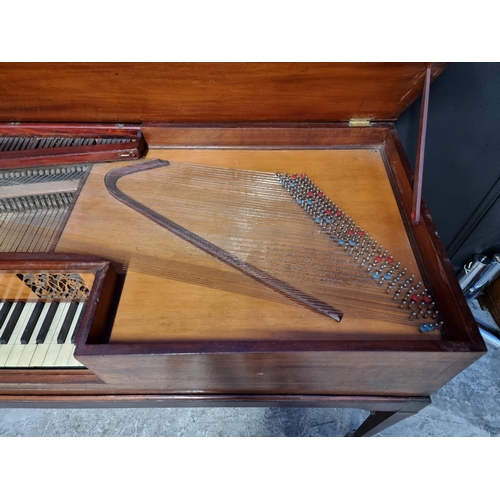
39, 334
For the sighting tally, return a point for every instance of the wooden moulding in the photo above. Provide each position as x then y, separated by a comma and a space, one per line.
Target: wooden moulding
75, 154
384, 411
344, 367
95, 319
262, 136
370, 403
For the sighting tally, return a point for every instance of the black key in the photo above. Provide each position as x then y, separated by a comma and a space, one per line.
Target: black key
47, 321
35, 314
70, 314
11, 324
5, 312
76, 326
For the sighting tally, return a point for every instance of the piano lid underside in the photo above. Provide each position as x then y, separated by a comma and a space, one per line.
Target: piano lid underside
175, 291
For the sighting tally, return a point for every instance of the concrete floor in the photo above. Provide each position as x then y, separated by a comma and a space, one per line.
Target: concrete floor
469, 405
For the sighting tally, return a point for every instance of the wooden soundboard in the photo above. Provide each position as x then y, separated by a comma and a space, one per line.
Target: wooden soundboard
174, 291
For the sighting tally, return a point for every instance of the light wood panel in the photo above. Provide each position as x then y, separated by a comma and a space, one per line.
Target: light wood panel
13, 289
174, 291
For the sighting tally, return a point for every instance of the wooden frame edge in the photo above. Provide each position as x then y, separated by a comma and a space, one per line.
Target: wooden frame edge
370, 403
429, 247
261, 135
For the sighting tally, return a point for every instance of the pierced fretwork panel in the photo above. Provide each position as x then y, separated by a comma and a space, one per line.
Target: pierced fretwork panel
56, 286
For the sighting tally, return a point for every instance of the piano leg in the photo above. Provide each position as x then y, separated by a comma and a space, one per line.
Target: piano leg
380, 420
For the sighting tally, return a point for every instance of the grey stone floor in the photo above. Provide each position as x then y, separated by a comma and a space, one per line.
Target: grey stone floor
469, 405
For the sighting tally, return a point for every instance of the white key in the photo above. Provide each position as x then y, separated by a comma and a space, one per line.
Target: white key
66, 353
51, 341
5, 348
30, 347
72, 361
15, 340
41, 349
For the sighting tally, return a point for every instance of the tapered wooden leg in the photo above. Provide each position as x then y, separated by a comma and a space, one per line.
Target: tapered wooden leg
380, 420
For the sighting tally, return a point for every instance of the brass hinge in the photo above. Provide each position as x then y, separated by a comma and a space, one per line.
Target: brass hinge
359, 122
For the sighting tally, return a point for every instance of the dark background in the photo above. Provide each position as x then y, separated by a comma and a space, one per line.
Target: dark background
462, 158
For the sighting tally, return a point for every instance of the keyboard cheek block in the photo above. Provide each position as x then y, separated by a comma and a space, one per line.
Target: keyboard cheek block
52, 305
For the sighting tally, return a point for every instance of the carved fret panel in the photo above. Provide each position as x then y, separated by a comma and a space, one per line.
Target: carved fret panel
56, 286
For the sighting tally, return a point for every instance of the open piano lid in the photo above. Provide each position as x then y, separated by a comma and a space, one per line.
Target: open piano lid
208, 92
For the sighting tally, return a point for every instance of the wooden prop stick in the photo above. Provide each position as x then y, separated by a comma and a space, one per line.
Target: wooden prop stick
257, 274
419, 162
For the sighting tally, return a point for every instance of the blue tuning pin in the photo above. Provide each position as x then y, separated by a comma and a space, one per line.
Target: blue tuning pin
426, 327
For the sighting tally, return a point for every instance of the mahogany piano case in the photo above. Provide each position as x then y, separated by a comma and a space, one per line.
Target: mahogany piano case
242, 233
